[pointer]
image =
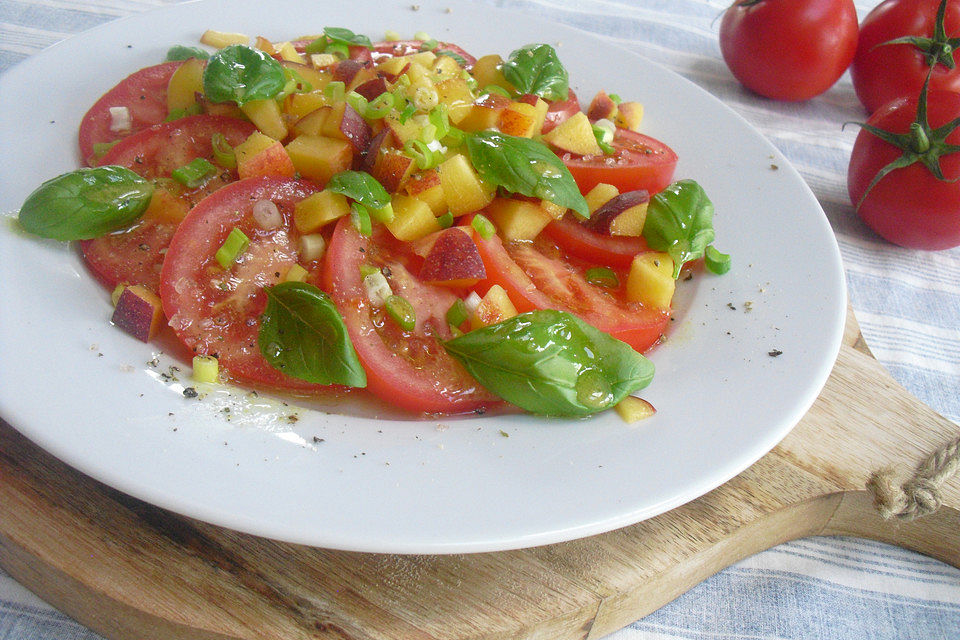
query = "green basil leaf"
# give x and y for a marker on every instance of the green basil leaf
(537, 69)
(680, 222)
(303, 335)
(86, 203)
(347, 37)
(240, 74)
(552, 363)
(361, 187)
(525, 166)
(181, 52)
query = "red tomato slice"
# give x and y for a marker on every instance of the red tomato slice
(533, 279)
(216, 311)
(597, 248)
(409, 369)
(135, 255)
(408, 47)
(143, 93)
(638, 162)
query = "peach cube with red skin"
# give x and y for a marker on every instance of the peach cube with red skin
(261, 155)
(494, 307)
(453, 260)
(139, 312)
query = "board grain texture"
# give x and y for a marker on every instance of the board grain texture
(129, 570)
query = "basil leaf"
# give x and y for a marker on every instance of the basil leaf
(240, 74)
(525, 166)
(303, 335)
(552, 363)
(361, 187)
(347, 37)
(537, 69)
(180, 52)
(680, 222)
(86, 203)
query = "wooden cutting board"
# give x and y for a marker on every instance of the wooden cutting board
(132, 571)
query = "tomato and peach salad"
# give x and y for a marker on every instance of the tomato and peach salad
(450, 233)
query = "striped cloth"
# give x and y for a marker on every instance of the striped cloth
(907, 303)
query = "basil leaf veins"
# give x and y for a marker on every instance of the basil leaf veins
(680, 222)
(86, 203)
(551, 362)
(303, 335)
(525, 166)
(537, 69)
(361, 187)
(241, 74)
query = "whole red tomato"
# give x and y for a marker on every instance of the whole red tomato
(789, 50)
(883, 72)
(909, 206)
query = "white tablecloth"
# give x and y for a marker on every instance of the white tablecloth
(907, 303)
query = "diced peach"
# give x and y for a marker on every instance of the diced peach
(318, 78)
(226, 109)
(574, 135)
(494, 307)
(633, 409)
(221, 39)
(462, 187)
(313, 122)
(487, 72)
(166, 207)
(630, 222)
(264, 45)
(484, 113)
(425, 185)
(345, 123)
(139, 312)
(318, 209)
(650, 281)
(555, 210)
(265, 114)
(319, 158)
(261, 155)
(629, 115)
(519, 119)
(602, 107)
(445, 66)
(391, 168)
(622, 215)
(412, 219)
(184, 85)
(600, 195)
(403, 132)
(453, 260)
(517, 219)
(289, 53)
(455, 93)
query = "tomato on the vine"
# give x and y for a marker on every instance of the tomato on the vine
(789, 50)
(883, 70)
(892, 179)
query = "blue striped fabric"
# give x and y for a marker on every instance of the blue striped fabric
(907, 302)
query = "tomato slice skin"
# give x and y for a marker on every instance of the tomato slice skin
(639, 162)
(135, 255)
(215, 311)
(597, 248)
(408, 369)
(535, 279)
(560, 110)
(143, 93)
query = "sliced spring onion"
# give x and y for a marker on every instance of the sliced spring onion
(368, 270)
(407, 112)
(402, 312)
(716, 262)
(312, 247)
(195, 173)
(296, 273)
(429, 45)
(100, 148)
(457, 314)
(267, 215)
(223, 153)
(440, 119)
(391, 36)
(357, 101)
(235, 244)
(482, 225)
(206, 369)
(338, 49)
(120, 120)
(472, 301)
(360, 217)
(421, 35)
(495, 88)
(193, 110)
(428, 133)
(335, 91)
(446, 220)
(422, 154)
(616, 99)
(380, 106)
(377, 288)
(383, 214)
(602, 277)
(604, 137)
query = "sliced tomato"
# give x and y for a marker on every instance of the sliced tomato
(397, 48)
(598, 248)
(216, 311)
(560, 110)
(143, 93)
(538, 276)
(408, 369)
(135, 255)
(638, 162)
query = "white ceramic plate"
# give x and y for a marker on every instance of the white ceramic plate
(87, 392)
